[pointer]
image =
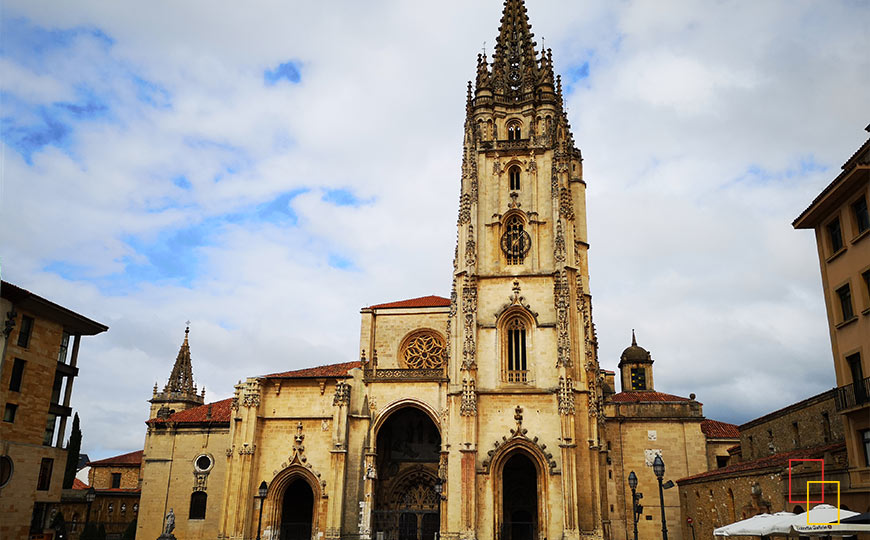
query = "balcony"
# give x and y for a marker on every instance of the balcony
(400, 374)
(517, 376)
(853, 395)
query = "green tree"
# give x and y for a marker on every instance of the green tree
(73, 448)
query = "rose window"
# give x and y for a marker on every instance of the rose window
(423, 351)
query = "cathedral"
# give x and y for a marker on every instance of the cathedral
(481, 415)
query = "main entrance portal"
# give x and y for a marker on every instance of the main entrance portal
(297, 511)
(519, 498)
(407, 503)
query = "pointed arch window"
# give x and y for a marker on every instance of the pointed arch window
(515, 242)
(514, 176)
(517, 366)
(514, 130)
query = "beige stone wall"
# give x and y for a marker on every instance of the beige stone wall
(168, 479)
(632, 441)
(717, 448)
(100, 477)
(22, 440)
(775, 432)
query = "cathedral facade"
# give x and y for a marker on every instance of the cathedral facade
(477, 416)
(481, 415)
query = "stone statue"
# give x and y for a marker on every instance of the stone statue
(170, 523)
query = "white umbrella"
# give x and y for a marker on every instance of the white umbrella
(779, 523)
(825, 516)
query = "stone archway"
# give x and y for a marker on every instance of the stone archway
(406, 503)
(297, 511)
(519, 489)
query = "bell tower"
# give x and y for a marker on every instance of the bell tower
(522, 343)
(179, 394)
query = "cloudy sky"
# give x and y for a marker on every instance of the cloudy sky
(264, 170)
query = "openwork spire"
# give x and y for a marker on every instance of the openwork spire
(514, 65)
(181, 379)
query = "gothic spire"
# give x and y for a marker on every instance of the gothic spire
(514, 60)
(181, 379)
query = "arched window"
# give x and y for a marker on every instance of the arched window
(515, 334)
(423, 350)
(197, 505)
(514, 175)
(515, 242)
(514, 130)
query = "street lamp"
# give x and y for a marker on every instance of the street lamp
(659, 469)
(261, 494)
(636, 509)
(90, 495)
(439, 488)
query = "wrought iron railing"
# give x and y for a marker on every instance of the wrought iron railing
(852, 395)
(397, 374)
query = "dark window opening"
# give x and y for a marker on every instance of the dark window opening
(50, 424)
(862, 219)
(835, 235)
(519, 498)
(9, 412)
(795, 435)
(5, 470)
(64, 348)
(826, 426)
(116, 480)
(514, 131)
(26, 330)
(865, 442)
(866, 277)
(638, 379)
(514, 175)
(17, 374)
(854, 363)
(197, 505)
(845, 296)
(43, 483)
(57, 387)
(516, 334)
(721, 461)
(38, 518)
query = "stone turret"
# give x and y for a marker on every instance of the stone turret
(635, 368)
(180, 392)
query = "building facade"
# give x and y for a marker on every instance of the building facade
(39, 356)
(779, 453)
(642, 423)
(840, 219)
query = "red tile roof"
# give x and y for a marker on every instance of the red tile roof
(422, 302)
(220, 414)
(130, 459)
(719, 430)
(78, 484)
(642, 397)
(733, 449)
(328, 371)
(776, 460)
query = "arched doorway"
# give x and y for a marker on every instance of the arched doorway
(519, 498)
(407, 503)
(297, 511)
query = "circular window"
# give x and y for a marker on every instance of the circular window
(423, 350)
(203, 463)
(5, 470)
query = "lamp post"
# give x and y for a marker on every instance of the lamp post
(659, 469)
(261, 494)
(90, 495)
(636, 509)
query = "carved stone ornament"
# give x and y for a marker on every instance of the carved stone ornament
(464, 209)
(561, 295)
(247, 449)
(469, 310)
(566, 396)
(519, 433)
(251, 393)
(342, 394)
(469, 398)
(516, 299)
(566, 208)
(559, 251)
(424, 350)
(199, 480)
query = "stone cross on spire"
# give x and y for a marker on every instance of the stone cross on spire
(181, 379)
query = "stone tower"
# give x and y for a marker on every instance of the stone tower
(525, 380)
(635, 368)
(180, 391)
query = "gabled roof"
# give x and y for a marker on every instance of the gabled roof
(719, 430)
(776, 460)
(643, 397)
(130, 459)
(328, 371)
(211, 413)
(421, 302)
(78, 484)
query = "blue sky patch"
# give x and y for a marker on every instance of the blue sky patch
(339, 262)
(288, 71)
(278, 210)
(343, 197)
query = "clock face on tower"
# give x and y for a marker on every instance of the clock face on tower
(516, 243)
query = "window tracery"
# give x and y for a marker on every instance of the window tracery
(514, 130)
(514, 175)
(515, 354)
(423, 350)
